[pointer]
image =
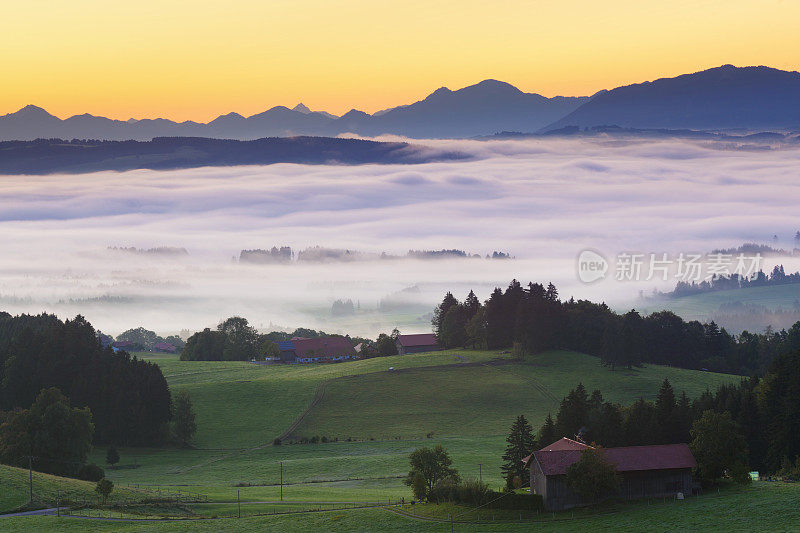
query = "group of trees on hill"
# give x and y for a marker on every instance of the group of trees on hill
(233, 340)
(61, 391)
(778, 276)
(128, 398)
(533, 319)
(755, 422)
(146, 340)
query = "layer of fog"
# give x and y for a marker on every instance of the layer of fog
(541, 200)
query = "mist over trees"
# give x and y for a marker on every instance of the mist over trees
(533, 319)
(778, 276)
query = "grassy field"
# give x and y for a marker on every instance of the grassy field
(15, 490)
(464, 400)
(480, 399)
(760, 507)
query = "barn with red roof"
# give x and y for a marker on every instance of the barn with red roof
(317, 350)
(645, 471)
(417, 343)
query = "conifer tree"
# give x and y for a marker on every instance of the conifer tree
(520, 444)
(547, 433)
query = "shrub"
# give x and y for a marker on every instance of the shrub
(475, 493)
(276, 442)
(91, 472)
(511, 501)
(444, 490)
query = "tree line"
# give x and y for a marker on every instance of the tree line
(531, 319)
(778, 276)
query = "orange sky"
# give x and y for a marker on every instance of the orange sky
(196, 59)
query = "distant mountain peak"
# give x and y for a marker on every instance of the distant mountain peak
(441, 91)
(719, 98)
(301, 108)
(32, 111)
(495, 84)
(354, 113)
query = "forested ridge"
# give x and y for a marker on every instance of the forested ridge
(531, 319)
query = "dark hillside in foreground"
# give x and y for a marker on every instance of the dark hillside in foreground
(46, 156)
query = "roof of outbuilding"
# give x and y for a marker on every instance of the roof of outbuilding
(625, 459)
(419, 339)
(323, 347)
(565, 444)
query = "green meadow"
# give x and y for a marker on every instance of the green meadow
(760, 507)
(464, 400)
(373, 413)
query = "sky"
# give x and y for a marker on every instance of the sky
(542, 200)
(197, 59)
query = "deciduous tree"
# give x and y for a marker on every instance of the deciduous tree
(432, 464)
(184, 418)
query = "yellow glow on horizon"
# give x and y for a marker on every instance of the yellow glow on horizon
(197, 59)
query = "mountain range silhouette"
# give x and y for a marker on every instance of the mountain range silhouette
(717, 99)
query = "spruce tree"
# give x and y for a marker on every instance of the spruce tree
(666, 420)
(573, 414)
(441, 312)
(520, 444)
(547, 433)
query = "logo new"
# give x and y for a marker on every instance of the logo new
(591, 266)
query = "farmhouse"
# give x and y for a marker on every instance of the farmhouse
(316, 350)
(423, 342)
(645, 472)
(165, 347)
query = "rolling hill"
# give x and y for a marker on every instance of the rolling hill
(465, 400)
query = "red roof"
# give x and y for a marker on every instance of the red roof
(323, 347)
(166, 347)
(420, 339)
(626, 459)
(565, 444)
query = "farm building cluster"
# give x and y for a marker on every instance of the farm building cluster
(645, 472)
(317, 350)
(335, 349)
